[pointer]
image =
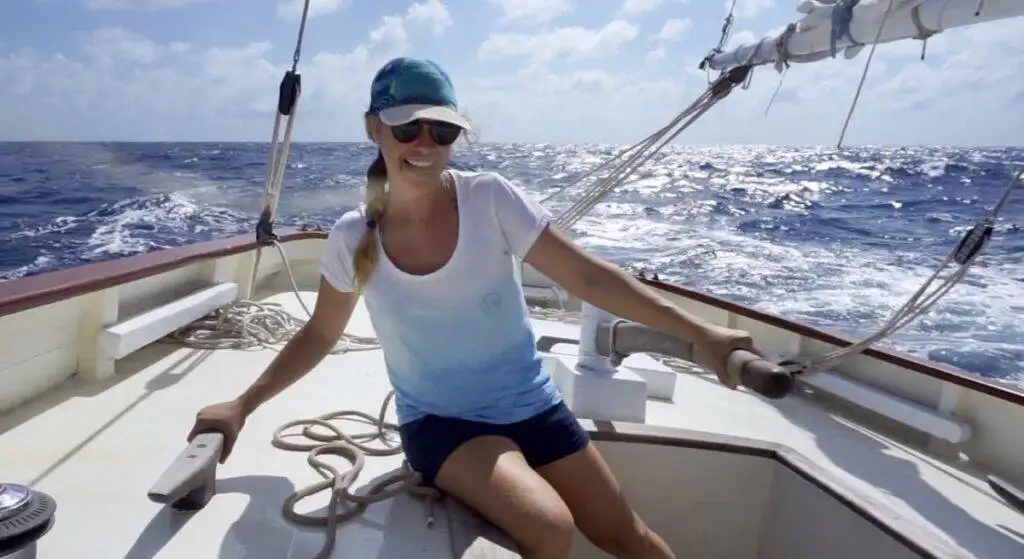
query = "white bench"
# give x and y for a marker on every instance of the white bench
(127, 336)
(927, 420)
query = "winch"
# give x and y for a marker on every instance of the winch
(25, 516)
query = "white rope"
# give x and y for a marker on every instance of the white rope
(247, 324)
(972, 243)
(287, 105)
(864, 74)
(640, 153)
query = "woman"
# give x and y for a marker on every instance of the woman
(433, 253)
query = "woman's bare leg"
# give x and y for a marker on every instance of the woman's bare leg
(491, 476)
(589, 488)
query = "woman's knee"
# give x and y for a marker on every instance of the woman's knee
(550, 537)
(629, 540)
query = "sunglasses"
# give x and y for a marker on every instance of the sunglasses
(443, 133)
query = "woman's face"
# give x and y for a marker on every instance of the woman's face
(410, 150)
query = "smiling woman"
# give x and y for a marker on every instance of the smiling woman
(434, 252)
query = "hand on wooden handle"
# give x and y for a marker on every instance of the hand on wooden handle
(759, 375)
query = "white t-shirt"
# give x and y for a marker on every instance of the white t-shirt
(457, 342)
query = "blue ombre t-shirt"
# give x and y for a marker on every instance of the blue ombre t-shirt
(457, 342)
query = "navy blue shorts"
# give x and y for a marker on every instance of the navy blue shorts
(543, 438)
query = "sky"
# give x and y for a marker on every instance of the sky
(535, 71)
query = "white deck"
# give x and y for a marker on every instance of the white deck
(97, 450)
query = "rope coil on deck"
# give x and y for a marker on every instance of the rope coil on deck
(354, 448)
(247, 324)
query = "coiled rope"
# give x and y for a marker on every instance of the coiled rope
(354, 448)
(247, 324)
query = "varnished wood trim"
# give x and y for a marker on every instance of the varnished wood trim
(34, 291)
(879, 514)
(928, 368)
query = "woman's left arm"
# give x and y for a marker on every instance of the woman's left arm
(610, 288)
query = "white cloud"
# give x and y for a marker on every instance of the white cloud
(592, 106)
(225, 61)
(567, 42)
(432, 12)
(635, 7)
(292, 9)
(656, 55)
(390, 32)
(137, 4)
(113, 44)
(533, 11)
(750, 8)
(674, 29)
(340, 82)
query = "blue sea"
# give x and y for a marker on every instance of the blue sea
(838, 239)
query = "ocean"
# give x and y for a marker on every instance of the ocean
(838, 239)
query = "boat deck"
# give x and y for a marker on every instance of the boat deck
(97, 449)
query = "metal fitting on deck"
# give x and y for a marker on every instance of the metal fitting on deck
(25, 516)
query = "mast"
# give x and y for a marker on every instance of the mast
(810, 38)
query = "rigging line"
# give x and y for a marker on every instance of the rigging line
(864, 75)
(709, 98)
(727, 27)
(726, 33)
(593, 197)
(277, 158)
(619, 173)
(777, 89)
(302, 31)
(641, 145)
(964, 255)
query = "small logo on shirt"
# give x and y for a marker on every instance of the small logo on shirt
(490, 303)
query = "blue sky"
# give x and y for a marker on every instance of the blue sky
(525, 70)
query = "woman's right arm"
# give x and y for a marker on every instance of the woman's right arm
(306, 349)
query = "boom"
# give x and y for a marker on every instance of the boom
(857, 23)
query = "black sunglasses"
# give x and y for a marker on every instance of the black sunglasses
(443, 133)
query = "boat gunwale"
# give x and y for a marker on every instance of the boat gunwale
(30, 292)
(879, 514)
(936, 370)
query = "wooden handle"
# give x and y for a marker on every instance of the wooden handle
(188, 483)
(759, 375)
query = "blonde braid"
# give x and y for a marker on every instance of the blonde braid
(365, 258)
